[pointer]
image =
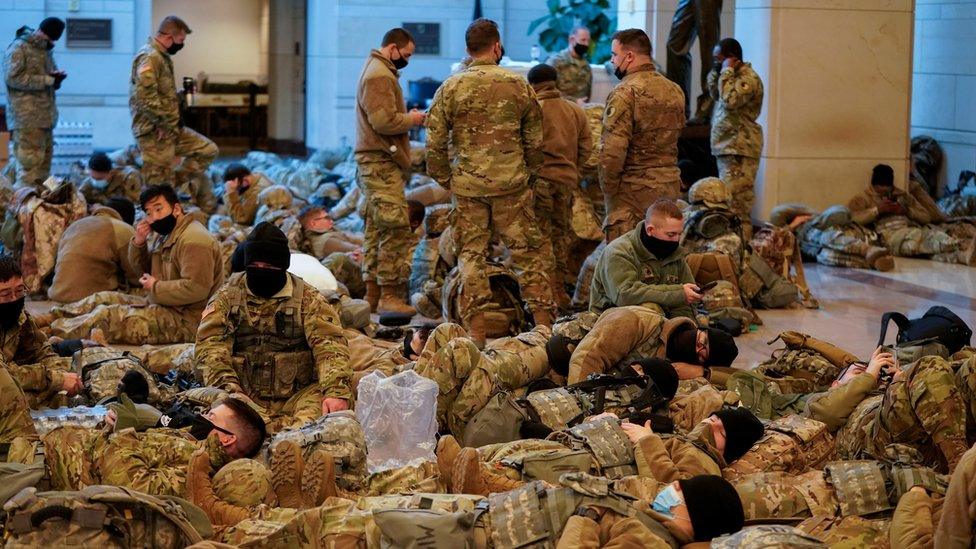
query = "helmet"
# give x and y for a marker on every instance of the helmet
(710, 191)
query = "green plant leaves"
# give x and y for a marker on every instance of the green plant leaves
(593, 14)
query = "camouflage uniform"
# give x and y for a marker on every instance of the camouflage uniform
(906, 235)
(242, 207)
(639, 147)
(832, 238)
(126, 182)
(496, 143)
(469, 378)
(31, 110)
(155, 110)
(574, 77)
(188, 267)
(383, 156)
(737, 139)
(15, 419)
(924, 410)
(286, 352)
(29, 359)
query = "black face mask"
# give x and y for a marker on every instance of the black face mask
(620, 74)
(10, 313)
(683, 346)
(173, 48)
(717, 66)
(399, 63)
(265, 282)
(660, 248)
(499, 62)
(581, 49)
(201, 427)
(50, 45)
(407, 347)
(165, 225)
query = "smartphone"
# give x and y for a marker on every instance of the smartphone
(705, 287)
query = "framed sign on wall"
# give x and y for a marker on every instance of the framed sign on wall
(427, 37)
(89, 33)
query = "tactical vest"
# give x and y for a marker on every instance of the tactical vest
(274, 362)
(606, 440)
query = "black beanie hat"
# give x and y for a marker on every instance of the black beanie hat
(52, 27)
(713, 505)
(662, 373)
(559, 349)
(125, 208)
(742, 430)
(721, 348)
(883, 175)
(100, 162)
(267, 244)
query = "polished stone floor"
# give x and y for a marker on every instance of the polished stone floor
(852, 302)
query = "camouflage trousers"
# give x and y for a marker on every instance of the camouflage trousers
(387, 236)
(197, 186)
(159, 156)
(627, 204)
(33, 148)
(553, 210)
(15, 419)
(919, 241)
(494, 456)
(301, 408)
(845, 246)
(739, 175)
(512, 217)
(347, 272)
(965, 233)
(125, 319)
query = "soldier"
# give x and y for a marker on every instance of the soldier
(155, 108)
(622, 334)
(567, 147)
(383, 156)
(25, 354)
(641, 124)
(832, 237)
(105, 181)
(901, 221)
(32, 77)
(323, 239)
(647, 267)
(699, 19)
(488, 119)
(574, 78)
(241, 190)
(182, 267)
(737, 139)
(956, 526)
(272, 336)
(93, 253)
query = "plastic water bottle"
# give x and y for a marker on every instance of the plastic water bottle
(535, 53)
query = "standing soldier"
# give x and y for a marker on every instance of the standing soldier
(32, 77)
(484, 143)
(641, 124)
(155, 111)
(575, 77)
(737, 139)
(383, 155)
(567, 146)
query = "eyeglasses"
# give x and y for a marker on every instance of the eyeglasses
(13, 294)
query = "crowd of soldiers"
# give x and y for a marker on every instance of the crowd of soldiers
(612, 419)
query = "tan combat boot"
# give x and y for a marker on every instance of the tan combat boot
(447, 453)
(372, 294)
(391, 302)
(476, 330)
(471, 477)
(879, 259)
(287, 465)
(319, 478)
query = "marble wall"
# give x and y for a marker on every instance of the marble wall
(944, 81)
(838, 84)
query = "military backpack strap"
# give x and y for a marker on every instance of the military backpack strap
(860, 487)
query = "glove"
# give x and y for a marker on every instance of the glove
(58, 78)
(199, 490)
(138, 416)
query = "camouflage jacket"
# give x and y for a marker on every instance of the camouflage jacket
(574, 77)
(27, 68)
(566, 138)
(864, 207)
(243, 207)
(642, 121)
(484, 132)
(738, 95)
(621, 334)
(628, 274)
(187, 264)
(27, 355)
(126, 181)
(320, 323)
(672, 458)
(153, 102)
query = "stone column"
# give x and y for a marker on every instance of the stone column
(286, 75)
(837, 77)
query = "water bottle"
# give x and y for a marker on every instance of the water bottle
(535, 53)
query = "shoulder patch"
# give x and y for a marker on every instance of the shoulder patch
(144, 68)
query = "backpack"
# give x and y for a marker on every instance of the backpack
(339, 434)
(102, 369)
(102, 516)
(505, 314)
(938, 322)
(793, 444)
(778, 247)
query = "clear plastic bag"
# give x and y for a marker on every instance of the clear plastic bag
(399, 419)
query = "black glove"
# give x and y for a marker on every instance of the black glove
(58, 78)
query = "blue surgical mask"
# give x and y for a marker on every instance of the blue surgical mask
(666, 500)
(99, 184)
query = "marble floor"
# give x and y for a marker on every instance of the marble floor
(852, 302)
